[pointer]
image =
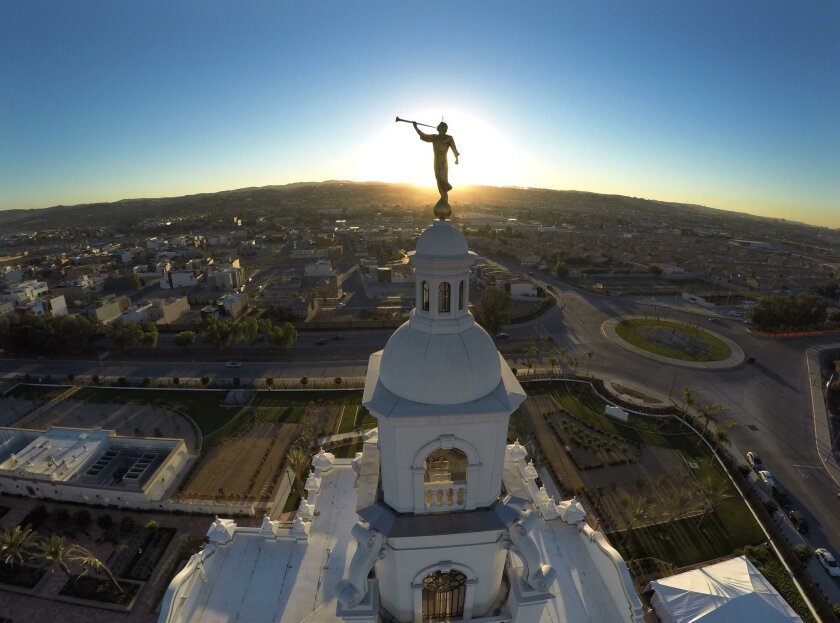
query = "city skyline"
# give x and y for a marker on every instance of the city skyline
(726, 106)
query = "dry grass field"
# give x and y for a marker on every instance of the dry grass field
(242, 468)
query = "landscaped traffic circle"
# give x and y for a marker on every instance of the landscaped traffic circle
(675, 340)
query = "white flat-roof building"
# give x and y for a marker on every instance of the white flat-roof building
(89, 466)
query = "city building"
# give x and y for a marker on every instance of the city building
(27, 291)
(45, 306)
(89, 466)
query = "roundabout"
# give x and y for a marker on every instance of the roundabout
(673, 342)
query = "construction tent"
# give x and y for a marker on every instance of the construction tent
(732, 591)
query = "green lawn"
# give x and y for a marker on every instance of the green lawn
(630, 331)
(279, 415)
(729, 528)
(36, 392)
(205, 406)
(202, 406)
(348, 419)
(277, 398)
(347, 452)
(356, 416)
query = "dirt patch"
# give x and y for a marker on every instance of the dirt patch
(534, 410)
(246, 467)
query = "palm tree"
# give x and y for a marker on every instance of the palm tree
(722, 433)
(588, 354)
(561, 355)
(552, 361)
(574, 362)
(676, 504)
(298, 460)
(79, 554)
(709, 413)
(16, 545)
(55, 552)
(688, 396)
(712, 494)
(639, 511)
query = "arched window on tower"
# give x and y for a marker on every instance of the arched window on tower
(425, 296)
(461, 295)
(443, 297)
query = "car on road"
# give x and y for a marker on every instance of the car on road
(501, 335)
(827, 561)
(767, 478)
(234, 364)
(338, 338)
(754, 460)
(321, 342)
(713, 319)
(736, 312)
(798, 521)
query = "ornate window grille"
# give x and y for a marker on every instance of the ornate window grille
(443, 595)
(443, 297)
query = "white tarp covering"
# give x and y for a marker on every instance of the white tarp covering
(730, 591)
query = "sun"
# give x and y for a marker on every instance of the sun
(396, 154)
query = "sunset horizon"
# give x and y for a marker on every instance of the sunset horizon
(729, 107)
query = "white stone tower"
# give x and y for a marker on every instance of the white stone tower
(436, 528)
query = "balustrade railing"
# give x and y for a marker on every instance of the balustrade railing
(441, 496)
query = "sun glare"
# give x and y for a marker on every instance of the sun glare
(396, 154)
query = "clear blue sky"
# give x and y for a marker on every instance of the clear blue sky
(734, 105)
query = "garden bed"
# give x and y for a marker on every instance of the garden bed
(24, 576)
(96, 589)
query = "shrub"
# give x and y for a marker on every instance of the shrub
(127, 524)
(237, 381)
(802, 551)
(176, 380)
(771, 506)
(146, 381)
(121, 381)
(95, 379)
(269, 381)
(205, 380)
(104, 521)
(304, 380)
(60, 515)
(71, 377)
(82, 518)
(152, 525)
(338, 380)
(35, 517)
(744, 469)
